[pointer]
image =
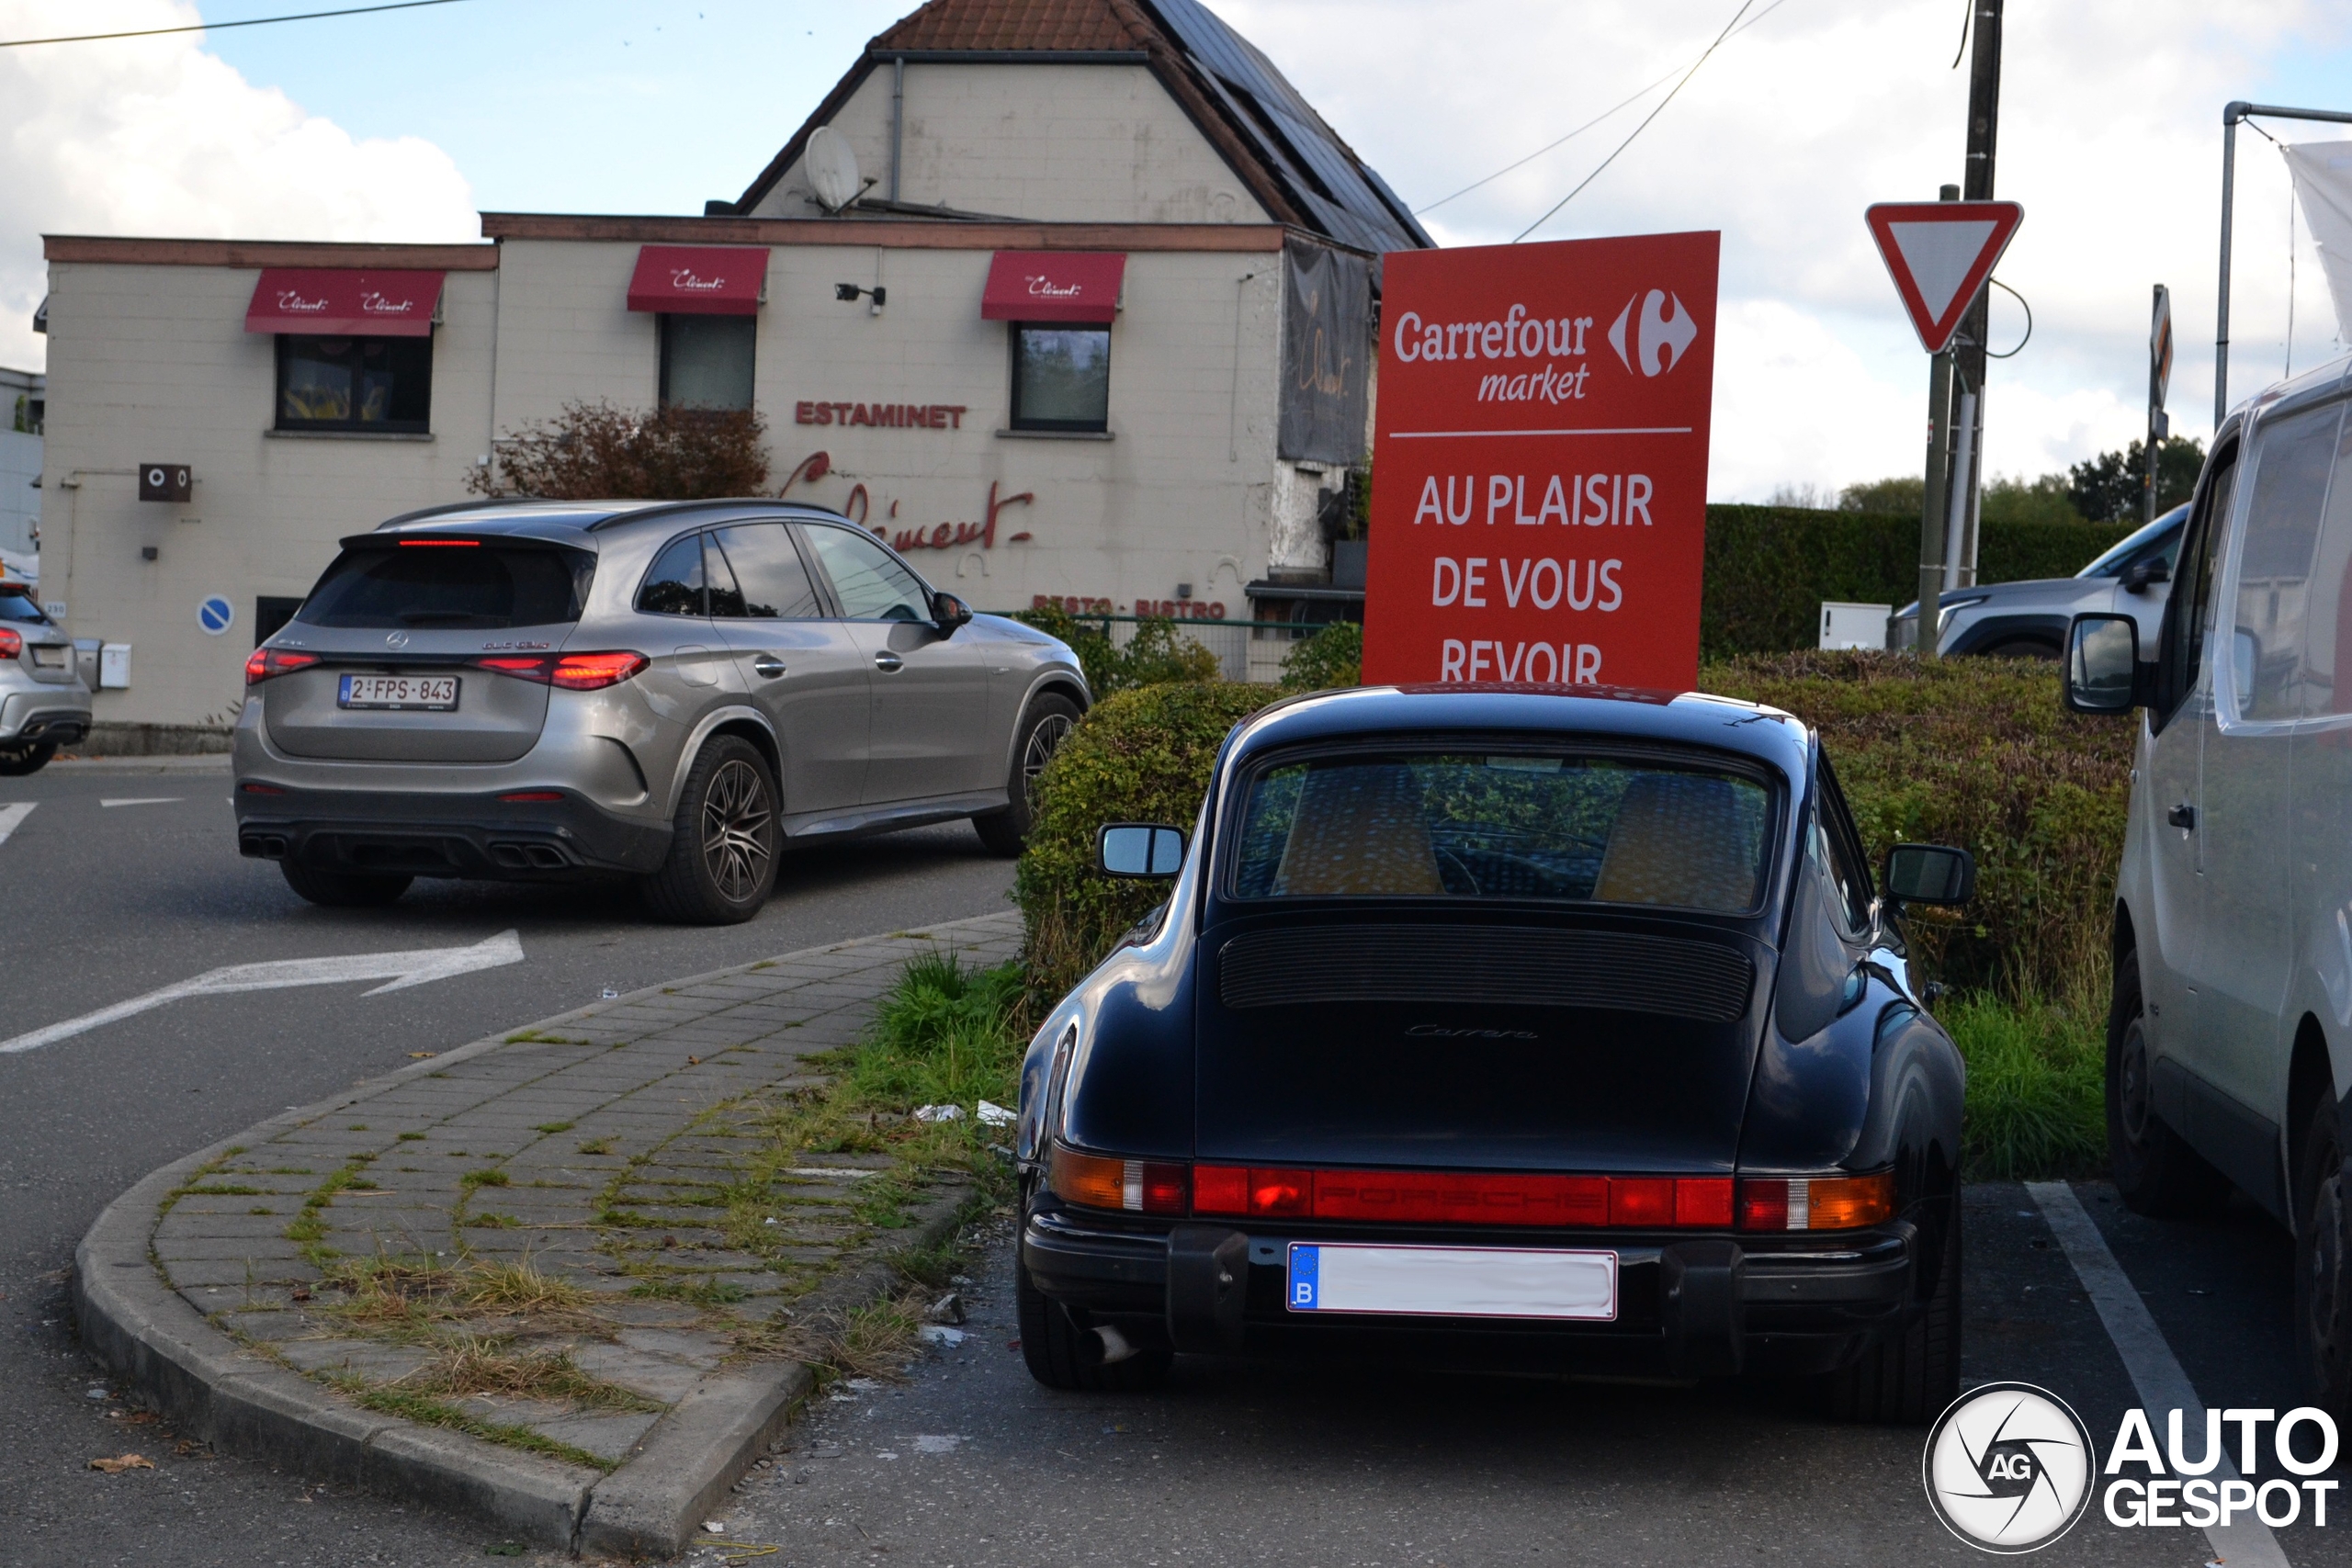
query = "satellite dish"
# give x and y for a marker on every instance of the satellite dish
(832, 168)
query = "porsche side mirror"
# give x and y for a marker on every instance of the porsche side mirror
(2102, 672)
(1930, 873)
(947, 612)
(1144, 850)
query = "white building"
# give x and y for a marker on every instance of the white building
(1082, 314)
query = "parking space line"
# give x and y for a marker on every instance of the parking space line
(140, 800)
(2156, 1370)
(13, 816)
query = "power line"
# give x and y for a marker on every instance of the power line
(218, 27)
(1736, 15)
(1588, 125)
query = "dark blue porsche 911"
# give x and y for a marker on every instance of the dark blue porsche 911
(1525, 1028)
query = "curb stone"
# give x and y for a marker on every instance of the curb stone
(240, 1402)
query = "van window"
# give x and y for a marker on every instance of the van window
(2292, 459)
(2327, 678)
(2190, 609)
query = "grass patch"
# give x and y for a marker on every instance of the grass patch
(428, 1410)
(2036, 1085)
(876, 1340)
(553, 1128)
(471, 1364)
(519, 1286)
(260, 1209)
(495, 1223)
(490, 1176)
(224, 1189)
(411, 1137)
(598, 1147)
(706, 1292)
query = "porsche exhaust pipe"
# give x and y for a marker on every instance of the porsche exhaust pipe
(1103, 1346)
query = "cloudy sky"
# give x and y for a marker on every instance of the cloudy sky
(400, 126)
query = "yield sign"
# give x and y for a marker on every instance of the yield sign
(1939, 253)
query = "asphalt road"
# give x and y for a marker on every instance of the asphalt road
(106, 902)
(966, 1460)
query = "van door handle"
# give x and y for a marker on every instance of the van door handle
(768, 665)
(888, 661)
(2183, 817)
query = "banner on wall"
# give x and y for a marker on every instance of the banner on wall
(1539, 454)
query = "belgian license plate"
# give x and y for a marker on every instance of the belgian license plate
(1453, 1282)
(428, 693)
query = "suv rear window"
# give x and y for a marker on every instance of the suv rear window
(450, 583)
(16, 604)
(1507, 826)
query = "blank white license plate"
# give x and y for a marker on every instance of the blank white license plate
(1453, 1282)
(433, 694)
(49, 657)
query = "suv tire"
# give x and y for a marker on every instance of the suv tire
(2155, 1172)
(721, 863)
(1043, 729)
(1907, 1377)
(29, 756)
(2324, 1261)
(1051, 1346)
(343, 889)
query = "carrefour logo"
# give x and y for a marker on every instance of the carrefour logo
(1660, 336)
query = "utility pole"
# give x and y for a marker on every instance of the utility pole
(1968, 347)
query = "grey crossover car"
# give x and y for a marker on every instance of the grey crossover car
(43, 704)
(668, 691)
(2028, 619)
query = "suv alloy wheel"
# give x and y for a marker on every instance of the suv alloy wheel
(1044, 728)
(721, 865)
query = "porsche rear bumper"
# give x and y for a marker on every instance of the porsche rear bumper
(1687, 1305)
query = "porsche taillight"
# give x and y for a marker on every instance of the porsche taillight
(1106, 1181)
(1815, 1202)
(1478, 1198)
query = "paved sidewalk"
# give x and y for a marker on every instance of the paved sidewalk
(566, 1259)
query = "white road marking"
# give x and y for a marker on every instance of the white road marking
(2156, 1370)
(400, 970)
(13, 816)
(141, 800)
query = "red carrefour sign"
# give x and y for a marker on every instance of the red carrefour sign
(1540, 455)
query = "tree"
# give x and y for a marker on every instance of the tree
(2105, 489)
(1904, 493)
(596, 452)
(2008, 499)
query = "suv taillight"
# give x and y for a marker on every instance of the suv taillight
(11, 643)
(572, 671)
(268, 661)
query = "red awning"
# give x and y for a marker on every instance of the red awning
(1053, 286)
(699, 280)
(324, 299)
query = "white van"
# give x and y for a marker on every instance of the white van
(2229, 1053)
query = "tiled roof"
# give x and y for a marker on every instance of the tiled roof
(1017, 24)
(1295, 163)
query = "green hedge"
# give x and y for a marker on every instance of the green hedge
(1769, 568)
(1142, 755)
(1973, 751)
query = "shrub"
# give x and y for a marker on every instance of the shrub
(1155, 655)
(1974, 753)
(2036, 1076)
(1332, 657)
(1769, 569)
(1140, 756)
(596, 452)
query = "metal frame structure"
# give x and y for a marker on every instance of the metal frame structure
(2233, 112)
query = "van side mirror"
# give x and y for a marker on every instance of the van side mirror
(2102, 672)
(947, 612)
(1145, 849)
(1930, 873)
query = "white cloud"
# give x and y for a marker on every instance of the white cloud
(2110, 134)
(153, 136)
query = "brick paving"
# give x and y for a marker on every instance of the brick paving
(606, 1148)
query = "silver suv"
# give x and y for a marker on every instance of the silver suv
(43, 704)
(2028, 620)
(670, 692)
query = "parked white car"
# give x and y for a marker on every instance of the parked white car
(2230, 1037)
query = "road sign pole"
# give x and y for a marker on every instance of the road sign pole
(1937, 496)
(1976, 332)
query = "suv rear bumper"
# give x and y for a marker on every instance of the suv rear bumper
(472, 836)
(1772, 1310)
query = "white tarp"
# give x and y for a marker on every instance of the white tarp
(2323, 176)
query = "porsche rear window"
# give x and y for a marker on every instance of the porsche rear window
(1442, 825)
(466, 587)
